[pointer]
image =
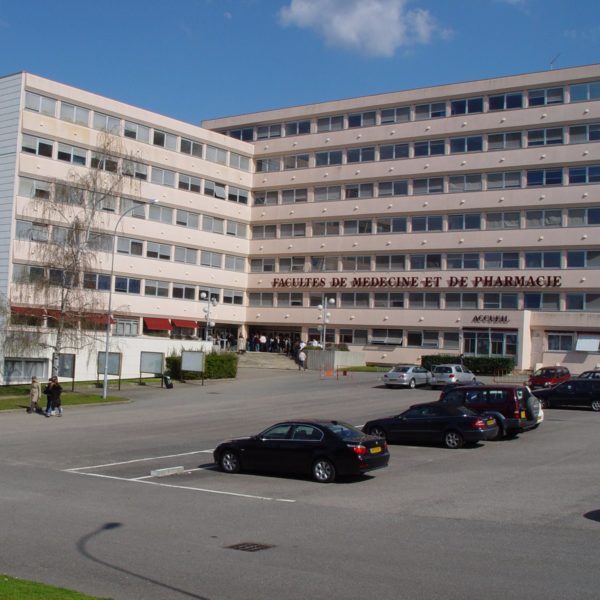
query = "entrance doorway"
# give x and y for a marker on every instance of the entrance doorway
(274, 339)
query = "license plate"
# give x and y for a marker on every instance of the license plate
(523, 414)
(491, 422)
(375, 450)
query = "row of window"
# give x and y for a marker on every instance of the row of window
(424, 111)
(142, 133)
(439, 147)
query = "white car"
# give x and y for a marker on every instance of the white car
(451, 375)
(407, 376)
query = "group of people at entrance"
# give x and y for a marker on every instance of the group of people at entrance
(53, 391)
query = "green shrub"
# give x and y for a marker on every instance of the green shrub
(480, 365)
(217, 365)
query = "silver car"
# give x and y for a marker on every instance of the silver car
(407, 375)
(451, 374)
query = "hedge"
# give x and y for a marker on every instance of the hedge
(480, 365)
(218, 365)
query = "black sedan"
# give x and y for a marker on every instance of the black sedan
(453, 426)
(323, 449)
(573, 392)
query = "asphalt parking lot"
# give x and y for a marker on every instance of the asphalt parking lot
(521, 517)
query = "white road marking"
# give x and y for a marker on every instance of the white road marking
(209, 468)
(128, 462)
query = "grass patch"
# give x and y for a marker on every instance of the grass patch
(19, 589)
(365, 369)
(67, 399)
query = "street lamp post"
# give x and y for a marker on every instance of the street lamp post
(206, 310)
(325, 317)
(110, 288)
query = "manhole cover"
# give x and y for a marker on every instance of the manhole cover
(249, 547)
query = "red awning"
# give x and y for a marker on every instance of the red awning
(157, 324)
(97, 319)
(184, 323)
(31, 311)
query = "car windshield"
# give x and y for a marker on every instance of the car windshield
(400, 369)
(544, 373)
(344, 431)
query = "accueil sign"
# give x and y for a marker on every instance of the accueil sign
(412, 282)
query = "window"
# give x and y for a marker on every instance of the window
(139, 212)
(501, 260)
(268, 165)
(289, 299)
(584, 133)
(107, 123)
(28, 274)
(585, 91)
(583, 259)
(503, 220)
(560, 342)
(209, 293)
(584, 174)
(189, 183)
(262, 265)
(216, 155)
(497, 181)
(323, 194)
(504, 141)
(28, 231)
(328, 158)
(457, 300)
(292, 230)
(575, 301)
(429, 148)
(265, 198)
(21, 370)
(156, 250)
(291, 264)
(584, 216)
(265, 132)
(211, 259)
(135, 131)
(264, 232)
(130, 246)
(450, 340)
(163, 177)
(330, 123)
(465, 183)
(458, 261)
(432, 185)
(190, 147)
(213, 224)
(492, 300)
(246, 134)
(388, 300)
(39, 146)
(100, 242)
(153, 287)
(164, 139)
(393, 151)
(238, 161)
(354, 300)
(435, 110)
(399, 114)
(128, 285)
(324, 263)
(295, 161)
(233, 297)
(535, 301)
(184, 292)
(297, 128)
(544, 97)
(466, 106)
(356, 263)
(104, 163)
(186, 255)
(486, 343)
(359, 190)
(41, 104)
(325, 228)
(422, 339)
(260, 299)
(545, 137)
(212, 188)
(464, 222)
(355, 155)
(74, 114)
(387, 336)
(428, 223)
(364, 119)
(543, 218)
(393, 188)
(420, 262)
(235, 263)
(293, 196)
(135, 170)
(472, 143)
(391, 225)
(506, 101)
(355, 227)
(162, 214)
(236, 229)
(238, 195)
(96, 281)
(545, 177)
(34, 188)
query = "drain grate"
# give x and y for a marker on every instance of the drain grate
(249, 547)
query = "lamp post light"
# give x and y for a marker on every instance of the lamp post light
(325, 317)
(109, 311)
(206, 310)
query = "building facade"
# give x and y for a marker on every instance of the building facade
(458, 219)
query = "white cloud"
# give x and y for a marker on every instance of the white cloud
(375, 27)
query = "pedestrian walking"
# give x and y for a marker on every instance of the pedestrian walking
(302, 360)
(53, 391)
(35, 392)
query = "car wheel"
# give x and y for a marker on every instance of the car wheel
(500, 433)
(544, 403)
(596, 405)
(412, 384)
(323, 471)
(453, 440)
(377, 432)
(229, 461)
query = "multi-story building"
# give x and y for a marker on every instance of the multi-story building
(461, 218)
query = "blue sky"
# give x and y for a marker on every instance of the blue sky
(199, 59)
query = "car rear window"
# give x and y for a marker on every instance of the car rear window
(345, 431)
(443, 369)
(400, 369)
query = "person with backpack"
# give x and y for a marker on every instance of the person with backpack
(53, 391)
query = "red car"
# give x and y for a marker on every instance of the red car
(548, 377)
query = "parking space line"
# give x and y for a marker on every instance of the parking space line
(209, 468)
